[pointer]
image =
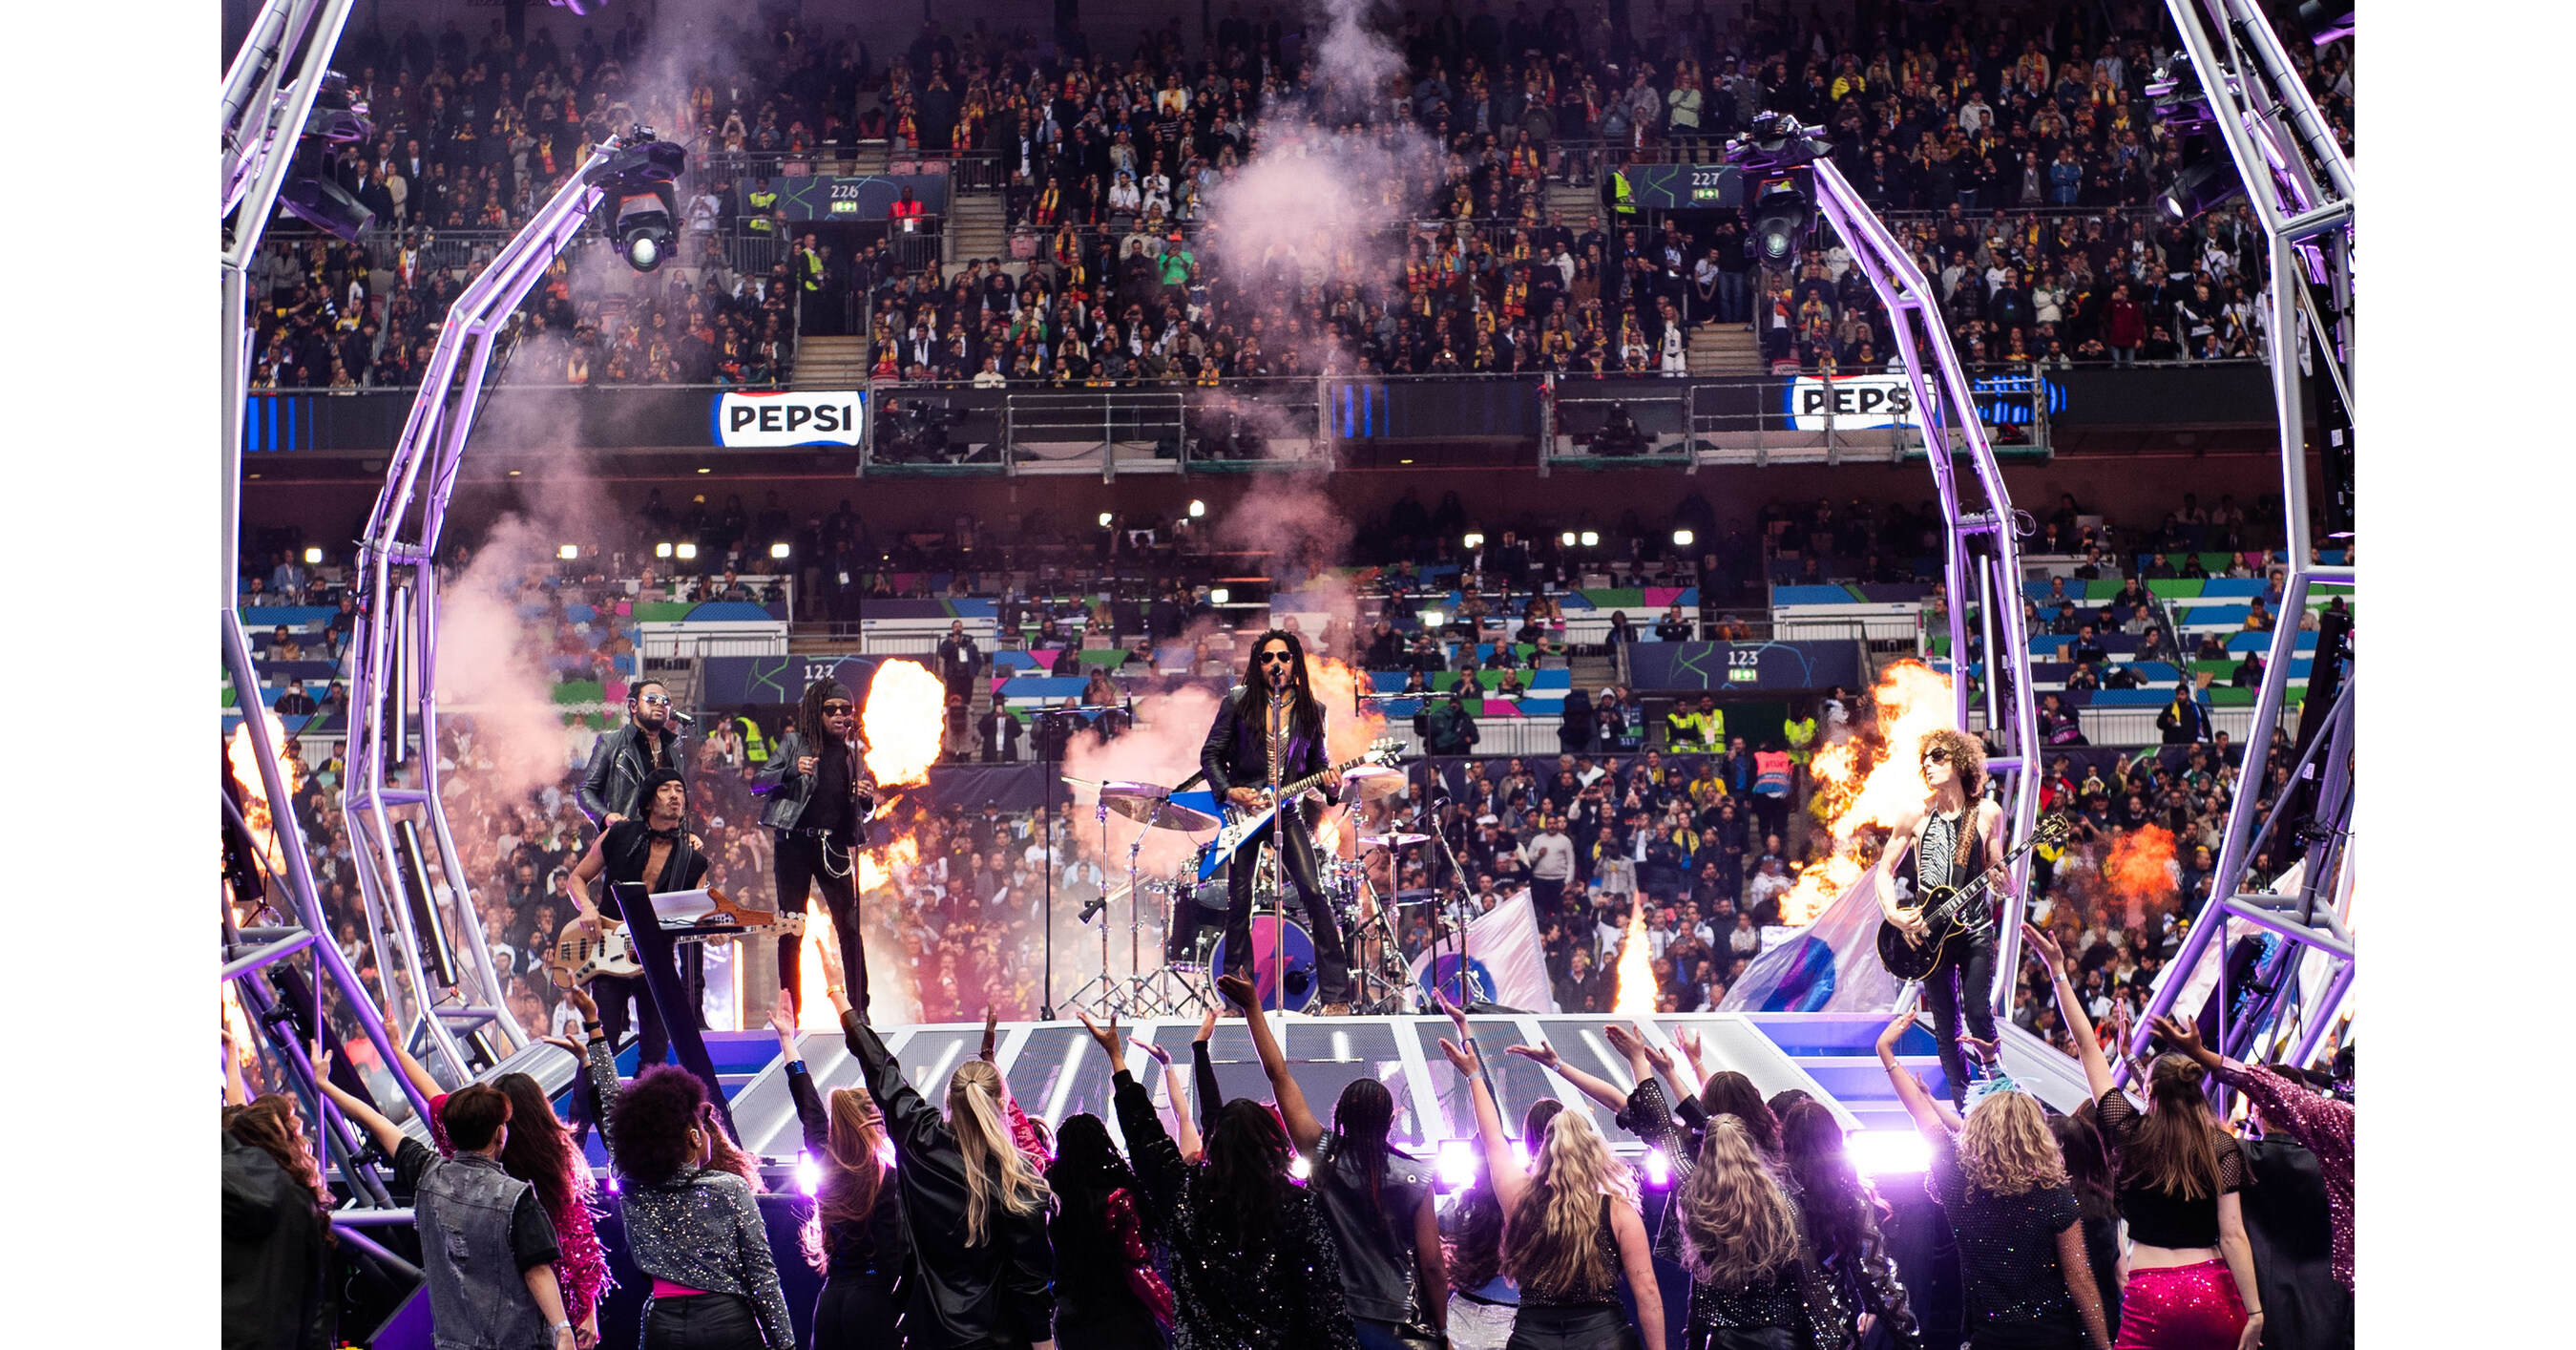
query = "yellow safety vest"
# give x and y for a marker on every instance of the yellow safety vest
(1624, 205)
(755, 747)
(761, 201)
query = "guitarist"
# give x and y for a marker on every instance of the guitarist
(819, 805)
(659, 851)
(1271, 731)
(1952, 838)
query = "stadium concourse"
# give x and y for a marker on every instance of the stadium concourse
(791, 689)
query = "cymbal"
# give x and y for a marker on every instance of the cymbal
(1153, 807)
(1077, 782)
(1371, 781)
(1394, 840)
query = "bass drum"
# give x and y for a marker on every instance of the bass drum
(1280, 978)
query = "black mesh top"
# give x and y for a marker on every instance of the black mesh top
(2157, 1217)
(1536, 1295)
(2008, 1256)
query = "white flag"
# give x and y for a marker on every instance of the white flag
(1505, 963)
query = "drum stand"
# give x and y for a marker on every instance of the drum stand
(1380, 988)
(1111, 999)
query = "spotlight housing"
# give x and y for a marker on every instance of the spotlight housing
(309, 191)
(1473, 541)
(778, 550)
(1219, 596)
(2200, 188)
(1566, 540)
(567, 552)
(312, 557)
(1777, 141)
(686, 551)
(1684, 538)
(662, 550)
(639, 208)
(2178, 95)
(2326, 20)
(1778, 222)
(1197, 508)
(1105, 518)
(1591, 539)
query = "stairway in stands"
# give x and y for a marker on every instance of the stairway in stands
(975, 229)
(830, 363)
(1725, 349)
(1573, 204)
(1592, 673)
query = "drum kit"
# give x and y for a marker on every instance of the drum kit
(1190, 908)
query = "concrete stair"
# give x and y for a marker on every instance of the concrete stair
(831, 363)
(1572, 204)
(1725, 349)
(976, 229)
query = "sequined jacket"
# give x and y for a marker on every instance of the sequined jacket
(701, 1229)
(2324, 1126)
(1282, 1291)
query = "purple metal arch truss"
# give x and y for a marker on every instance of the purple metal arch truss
(1981, 561)
(2300, 185)
(393, 684)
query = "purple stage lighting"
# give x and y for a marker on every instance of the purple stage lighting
(809, 1174)
(1659, 1169)
(1882, 1152)
(1456, 1164)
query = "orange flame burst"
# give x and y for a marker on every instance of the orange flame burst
(1912, 701)
(905, 714)
(1337, 687)
(244, 759)
(2140, 866)
(1636, 967)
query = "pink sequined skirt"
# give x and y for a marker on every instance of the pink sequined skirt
(2181, 1308)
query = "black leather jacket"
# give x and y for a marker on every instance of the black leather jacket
(1234, 754)
(619, 762)
(788, 790)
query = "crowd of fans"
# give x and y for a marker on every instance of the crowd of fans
(2020, 152)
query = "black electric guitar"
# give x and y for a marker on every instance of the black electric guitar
(1952, 912)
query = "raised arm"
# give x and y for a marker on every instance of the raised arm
(1176, 1086)
(236, 1092)
(1688, 1039)
(1502, 1161)
(2097, 1070)
(912, 1123)
(1157, 1161)
(810, 1115)
(388, 1135)
(1918, 1103)
(1302, 1125)
(1598, 1089)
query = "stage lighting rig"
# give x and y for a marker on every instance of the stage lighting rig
(1777, 141)
(310, 192)
(2199, 188)
(638, 206)
(1779, 149)
(1777, 222)
(2326, 20)
(2179, 97)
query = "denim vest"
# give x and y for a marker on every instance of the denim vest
(478, 1300)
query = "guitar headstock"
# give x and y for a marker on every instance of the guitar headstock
(2052, 828)
(1386, 752)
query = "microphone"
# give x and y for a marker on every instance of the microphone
(683, 718)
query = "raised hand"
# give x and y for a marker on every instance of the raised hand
(1688, 1039)
(1161, 1056)
(1542, 1053)
(992, 1022)
(1622, 1040)
(1657, 1056)
(782, 1017)
(1105, 1036)
(2185, 1037)
(1457, 1015)
(1464, 1058)
(1237, 990)
(1896, 1028)
(581, 1003)
(2044, 947)
(1207, 1022)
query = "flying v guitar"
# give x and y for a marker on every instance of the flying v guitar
(1242, 827)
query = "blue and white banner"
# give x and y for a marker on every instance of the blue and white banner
(1504, 962)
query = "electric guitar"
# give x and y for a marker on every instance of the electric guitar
(1951, 912)
(1242, 826)
(580, 956)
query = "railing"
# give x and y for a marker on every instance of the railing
(971, 170)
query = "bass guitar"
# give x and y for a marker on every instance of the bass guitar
(1243, 826)
(1952, 912)
(581, 955)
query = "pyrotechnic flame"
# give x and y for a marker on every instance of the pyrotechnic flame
(1636, 967)
(1336, 687)
(254, 800)
(1912, 701)
(813, 1004)
(905, 715)
(2140, 866)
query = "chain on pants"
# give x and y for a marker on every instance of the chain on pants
(798, 860)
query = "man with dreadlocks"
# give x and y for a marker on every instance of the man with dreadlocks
(819, 797)
(1270, 732)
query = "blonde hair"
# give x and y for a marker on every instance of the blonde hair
(1548, 1240)
(2006, 1147)
(1738, 1227)
(984, 1143)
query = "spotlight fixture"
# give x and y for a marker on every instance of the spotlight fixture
(1780, 218)
(638, 206)
(312, 557)
(1432, 618)
(1777, 141)
(1683, 538)
(1565, 540)
(2181, 101)
(1473, 542)
(1197, 508)
(685, 552)
(1591, 539)
(1219, 596)
(2326, 20)
(567, 552)
(310, 192)
(1105, 518)
(703, 469)
(778, 550)
(663, 550)
(2199, 188)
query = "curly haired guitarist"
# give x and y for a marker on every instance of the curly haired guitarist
(1952, 837)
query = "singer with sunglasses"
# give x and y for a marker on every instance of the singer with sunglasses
(621, 760)
(1271, 731)
(819, 800)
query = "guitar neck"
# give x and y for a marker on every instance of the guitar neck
(1316, 780)
(1973, 891)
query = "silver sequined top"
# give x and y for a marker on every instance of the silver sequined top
(700, 1230)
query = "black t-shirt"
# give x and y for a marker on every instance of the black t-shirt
(2157, 1217)
(2008, 1257)
(532, 1234)
(827, 807)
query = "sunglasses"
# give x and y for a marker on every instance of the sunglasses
(1274, 658)
(656, 701)
(1936, 756)
(835, 709)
